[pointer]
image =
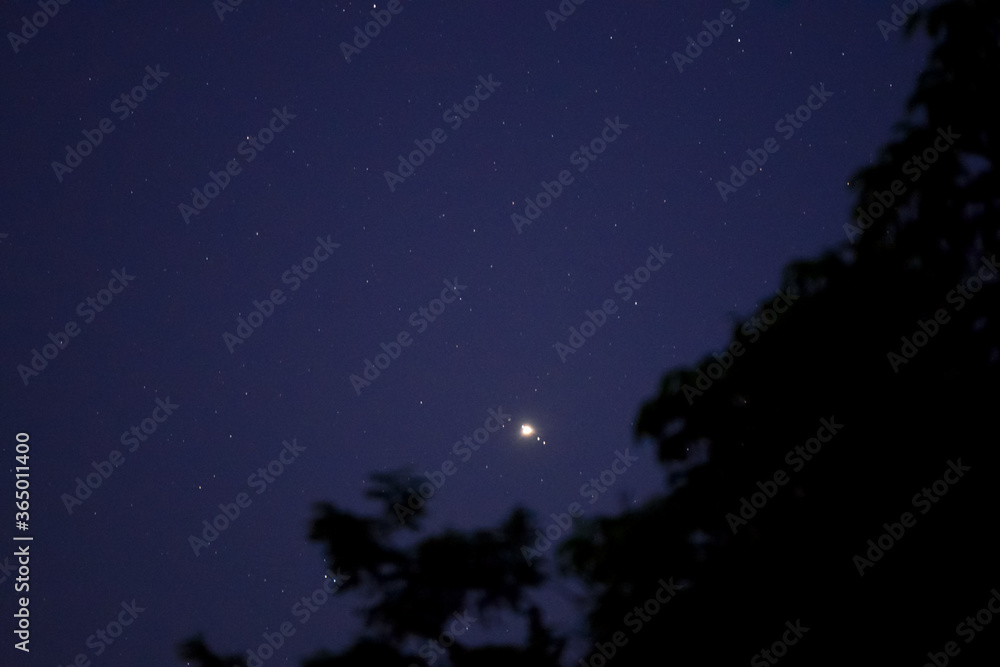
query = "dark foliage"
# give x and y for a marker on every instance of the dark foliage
(905, 422)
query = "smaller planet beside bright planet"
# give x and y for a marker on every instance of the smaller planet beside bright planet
(527, 430)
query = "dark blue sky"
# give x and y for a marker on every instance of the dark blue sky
(326, 131)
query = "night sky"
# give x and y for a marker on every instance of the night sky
(201, 246)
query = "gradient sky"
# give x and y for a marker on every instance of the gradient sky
(320, 182)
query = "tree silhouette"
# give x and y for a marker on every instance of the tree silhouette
(838, 418)
(903, 418)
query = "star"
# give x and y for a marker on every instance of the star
(527, 431)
